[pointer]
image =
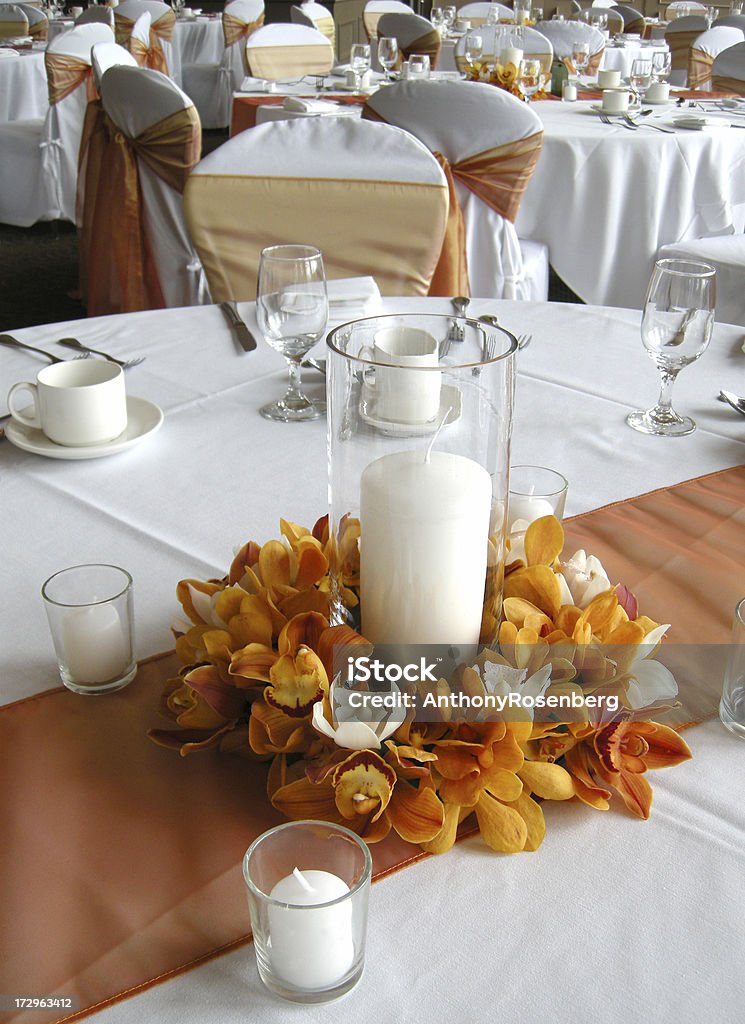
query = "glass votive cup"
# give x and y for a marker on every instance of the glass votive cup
(308, 886)
(91, 619)
(419, 65)
(732, 705)
(535, 491)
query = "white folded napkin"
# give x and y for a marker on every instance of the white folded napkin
(7, 51)
(304, 105)
(353, 295)
(250, 84)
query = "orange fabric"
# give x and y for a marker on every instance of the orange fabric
(699, 67)
(149, 55)
(451, 274)
(65, 74)
(234, 29)
(428, 44)
(727, 86)
(679, 44)
(163, 28)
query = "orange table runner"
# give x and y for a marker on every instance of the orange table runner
(121, 861)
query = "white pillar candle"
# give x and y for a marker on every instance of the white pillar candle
(95, 646)
(311, 949)
(510, 55)
(526, 508)
(423, 548)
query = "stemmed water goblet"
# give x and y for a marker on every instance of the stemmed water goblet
(640, 77)
(448, 19)
(292, 312)
(580, 56)
(437, 17)
(661, 65)
(531, 75)
(473, 48)
(388, 54)
(359, 61)
(677, 323)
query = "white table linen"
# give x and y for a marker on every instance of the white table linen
(620, 57)
(23, 86)
(604, 199)
(195, 41)
(612, 919)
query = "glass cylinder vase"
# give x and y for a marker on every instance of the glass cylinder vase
(419, 421)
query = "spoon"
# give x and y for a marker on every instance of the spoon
(737, 403)
(319, 365)
(461, 303)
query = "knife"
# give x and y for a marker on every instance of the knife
(242, 333)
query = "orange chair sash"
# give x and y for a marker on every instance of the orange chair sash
(428, 44)
(65, 74)
(150, 54)
(699, 67)
(234, 29)
(679, 44)
(40, 30)
(163, 28)
(721, 83)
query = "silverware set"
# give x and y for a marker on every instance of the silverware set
(83, 351)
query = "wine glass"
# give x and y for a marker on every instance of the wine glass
(359, 61)
(580, 55)
(292, 310)
(473, 47)
(492, 15)
(640, 77)
(437, 17)
(537, 14)
(661, 65)
(448, 19)
(531, 73)
(677, 322)
(388, 54)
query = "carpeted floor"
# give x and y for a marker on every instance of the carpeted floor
(39, 270)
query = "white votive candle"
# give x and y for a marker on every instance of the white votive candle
(423, 548)
(527, 508)
(510, 55)
(95, 645)
(310, 949)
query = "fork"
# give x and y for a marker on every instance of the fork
(606, 120)
(124, 363)
(648, 124)
(7, 339)
(455, 333)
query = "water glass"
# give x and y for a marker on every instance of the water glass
(473, 47)
(387, 54)
(437, 17)
(732, 706)
(531, 75)
(359, 61)
(640, 77)
(537, 13)
(661, 65)
(448, 18)
(580, 55)
(419, 66)
(492, 15)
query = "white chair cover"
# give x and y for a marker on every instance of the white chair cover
(370, 196)
(478, 14)
(563, 33)
(316, 16)
(726, 254)
(633, 20)
(135, 99)
(442, 115)
(728, 70)
(210, 86)
(603, 5)
(109, 55)
(38, 23)
(414, 34)
(372, 12)
(705, 48)
(683, 7)
(97, 13)
(13, 21)
(614, 20)
(679, 36)
(496, 37)
(284, 50)
(162, 22)
(39, 158)
(730, 21)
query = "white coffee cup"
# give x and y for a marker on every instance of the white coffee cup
(615, 101)
(609, 79)
(77, 402)
(75, 12)
(657, 92)
(404, 395)
(462, 24)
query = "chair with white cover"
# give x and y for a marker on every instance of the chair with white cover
(614, 20)
(13, 21)
(728, 70)
(603, 5)
(478, 14)
(284, 50)
(316, 16)
(211, 86)
(141, 141)
(374, 9)
(371, 197)
(39, 157)
(96, 13)
(730, 21)
(161, 54)
(704, 49)
(488, 171)
(682, 8)
(496, 37)
(563, 34)
(679, 36)
(414, 34)
(633, 20)
(109, 55)
(38, 23)
(726, 253)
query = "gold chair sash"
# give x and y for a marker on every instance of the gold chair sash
(679, 44)
(65, 74)
(163, 27)
(122, 28)
(699, 67)
(397, 238)
(327, 26)
(289, 61)
(428, 44)
(721, 83)
(40, 30)
(635, 26)
(150, 54)
(234, 29)
(592, 64)
(118, 271)
(370, 24)
(13, 29)
(451, 273)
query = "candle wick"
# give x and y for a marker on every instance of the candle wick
(430, 446)
(302, 880)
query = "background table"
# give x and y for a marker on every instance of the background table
(611, 917)
(621, 57)
(196, 41)
(23, 86)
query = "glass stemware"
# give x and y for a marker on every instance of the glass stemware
(473, 48)
(677, 323)
(437, 17)
(531, 74)
(388, 54)
(359, 61)
(580, 56)
(448, 19)
(292, 312)
(640, 77)
(661, 65)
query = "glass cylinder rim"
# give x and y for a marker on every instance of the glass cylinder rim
(438, 367)
(675, 265)
(305, 252)
(543, 469)
(265, 897)
(85, 604)
(740, 612)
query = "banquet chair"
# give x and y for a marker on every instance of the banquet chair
(39, 157)
(38, 23)
(730, 21)
(284, 50)
(371, 197)
(97, 13)
(633, 20)
(316, 16)
(495, 37)
(414, 33)
(372, 12)
(728, 70)
(13, 21)
(613, 18)
(602, 5)
(108, 55)
(162, 25)
(563, 34)
(682, 8)
(726, 253)
(703, 51)
(488, 172)
(211, 86)
(140, 142)
(478, 14)
(679, 36)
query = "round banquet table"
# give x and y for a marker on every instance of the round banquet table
(620, 57)
(604, 198)
(612, 916)
(196, 41)
(23, 86)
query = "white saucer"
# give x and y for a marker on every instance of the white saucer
(144, 418)
(658, 103)
(450, 398)
(633, 108)
(694, 123)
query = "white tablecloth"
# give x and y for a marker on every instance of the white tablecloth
(196, 41)
(620, 58)
(23, 86)
(604, 198)
(612, 919)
